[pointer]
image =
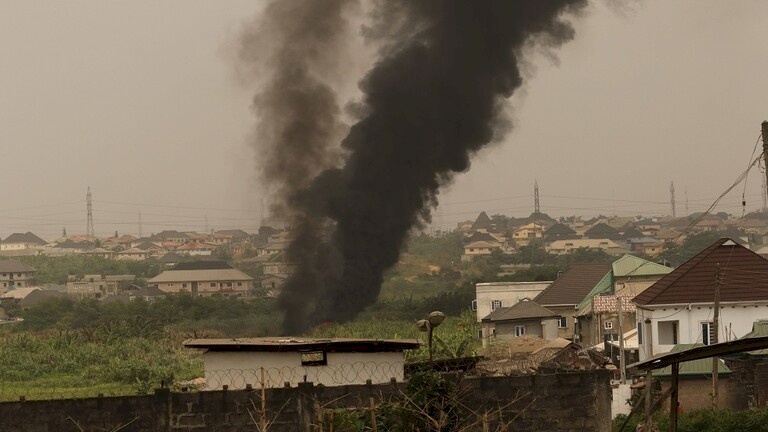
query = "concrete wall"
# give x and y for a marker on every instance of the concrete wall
(236, 369)
(696, 392)
(568, 402)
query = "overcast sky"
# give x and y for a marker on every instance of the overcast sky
(140, 100)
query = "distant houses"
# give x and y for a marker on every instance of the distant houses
(203, 278)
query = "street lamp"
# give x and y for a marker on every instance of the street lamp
(433, 320)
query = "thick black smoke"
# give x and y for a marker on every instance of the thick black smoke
(433, 99)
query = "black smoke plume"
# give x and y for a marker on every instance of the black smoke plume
(435, 97)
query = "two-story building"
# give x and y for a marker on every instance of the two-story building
(15, 274)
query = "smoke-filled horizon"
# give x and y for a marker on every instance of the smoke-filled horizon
(435, 96)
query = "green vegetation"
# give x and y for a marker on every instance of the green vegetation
(56, 269)
(709, 420)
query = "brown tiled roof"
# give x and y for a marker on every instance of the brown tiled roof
(521, 310)
(573, 285)
(743, 278)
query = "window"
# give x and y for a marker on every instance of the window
(668, 332)
(707, 333)
(474, 305)
(495, 304)
(519, 330)
(239, 284)
(213, 284)
(608, 325)
(183, 285)
(313, 358)
(229, 284)
(562, 322)
(639, 332)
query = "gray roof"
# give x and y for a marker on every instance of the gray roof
(524, 309)
(169, 276)
(27, 237)
(14, 266)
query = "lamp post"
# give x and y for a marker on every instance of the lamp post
(433, 320)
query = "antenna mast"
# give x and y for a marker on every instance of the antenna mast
(672, 197)
(89, 231)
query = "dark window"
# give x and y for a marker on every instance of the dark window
(707, 333)
(519, 330)
(474, 305)
(562, 322)
(213, 284)
(639, 332)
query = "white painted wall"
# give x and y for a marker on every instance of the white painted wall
(735, 321)
(236, 369)
(508, 292)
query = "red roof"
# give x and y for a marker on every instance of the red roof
(573, 285)
(743, 278)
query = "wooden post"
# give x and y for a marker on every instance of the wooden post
(673, 400)
(263, 421)
(715, 337)
(648, 401)
(486, 426)
(374, 427)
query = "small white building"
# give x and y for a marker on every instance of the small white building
(679, 308)
(490, 296)
(276, 361)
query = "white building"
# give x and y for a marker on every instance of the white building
(490, 296)
(679, 308)
(277, 361)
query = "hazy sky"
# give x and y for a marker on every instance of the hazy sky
(140, 100)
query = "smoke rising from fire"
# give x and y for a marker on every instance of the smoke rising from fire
(434, 97)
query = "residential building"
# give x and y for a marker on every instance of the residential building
(523, 318)
(598, 313)
(22, 241)
(559, 231)
(290, 361)
(204, 278)
(194, 248)
(524, 235)
(567, 291)
(490, 296)
(97, 286)
(479, 248)
(678, 309)
(15, 274)
(562, 247)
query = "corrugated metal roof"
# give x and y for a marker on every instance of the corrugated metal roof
(573, 285)
(629, 265)
(759, 329)
(604, 286)
(200, 276)
(693, 367)
(743, 278)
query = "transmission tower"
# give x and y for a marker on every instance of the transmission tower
(536, 208)
(89, 231)
(672, 197)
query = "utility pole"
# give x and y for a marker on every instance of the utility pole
(765, 147)
(622, 363)
(715, 334)
(140, 233)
